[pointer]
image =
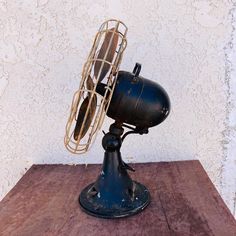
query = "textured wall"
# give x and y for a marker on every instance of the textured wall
(186, 46)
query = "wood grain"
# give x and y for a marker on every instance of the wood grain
(184, 202)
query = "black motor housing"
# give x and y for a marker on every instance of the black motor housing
(138, 101)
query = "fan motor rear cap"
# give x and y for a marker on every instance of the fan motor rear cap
(138, 101)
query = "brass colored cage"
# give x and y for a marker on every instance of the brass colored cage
(89, 74)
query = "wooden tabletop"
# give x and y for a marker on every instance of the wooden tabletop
(184, 202)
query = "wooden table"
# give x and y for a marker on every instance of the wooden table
(184, 202)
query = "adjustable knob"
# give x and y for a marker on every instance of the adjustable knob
(111, 142)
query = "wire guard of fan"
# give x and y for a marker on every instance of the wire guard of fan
(88, 107)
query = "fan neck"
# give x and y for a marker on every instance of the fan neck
(112, 140)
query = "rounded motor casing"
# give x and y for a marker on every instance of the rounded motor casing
(138, 101)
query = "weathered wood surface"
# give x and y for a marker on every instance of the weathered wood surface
(184, 202)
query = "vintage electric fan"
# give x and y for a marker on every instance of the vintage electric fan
(134, 102)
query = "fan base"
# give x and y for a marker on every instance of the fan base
(114, 194)
(96, 206)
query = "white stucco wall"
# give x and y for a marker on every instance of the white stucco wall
(187, 46)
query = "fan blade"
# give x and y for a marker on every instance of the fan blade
(110, 54)
(81, 116)
(89, 83)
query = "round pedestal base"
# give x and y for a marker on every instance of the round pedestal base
(94, 205)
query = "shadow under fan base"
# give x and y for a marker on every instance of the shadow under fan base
(92, 204)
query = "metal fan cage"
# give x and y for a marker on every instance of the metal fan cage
(82, 144)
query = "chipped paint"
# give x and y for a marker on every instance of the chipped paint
(228, 169)
(3, 80)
